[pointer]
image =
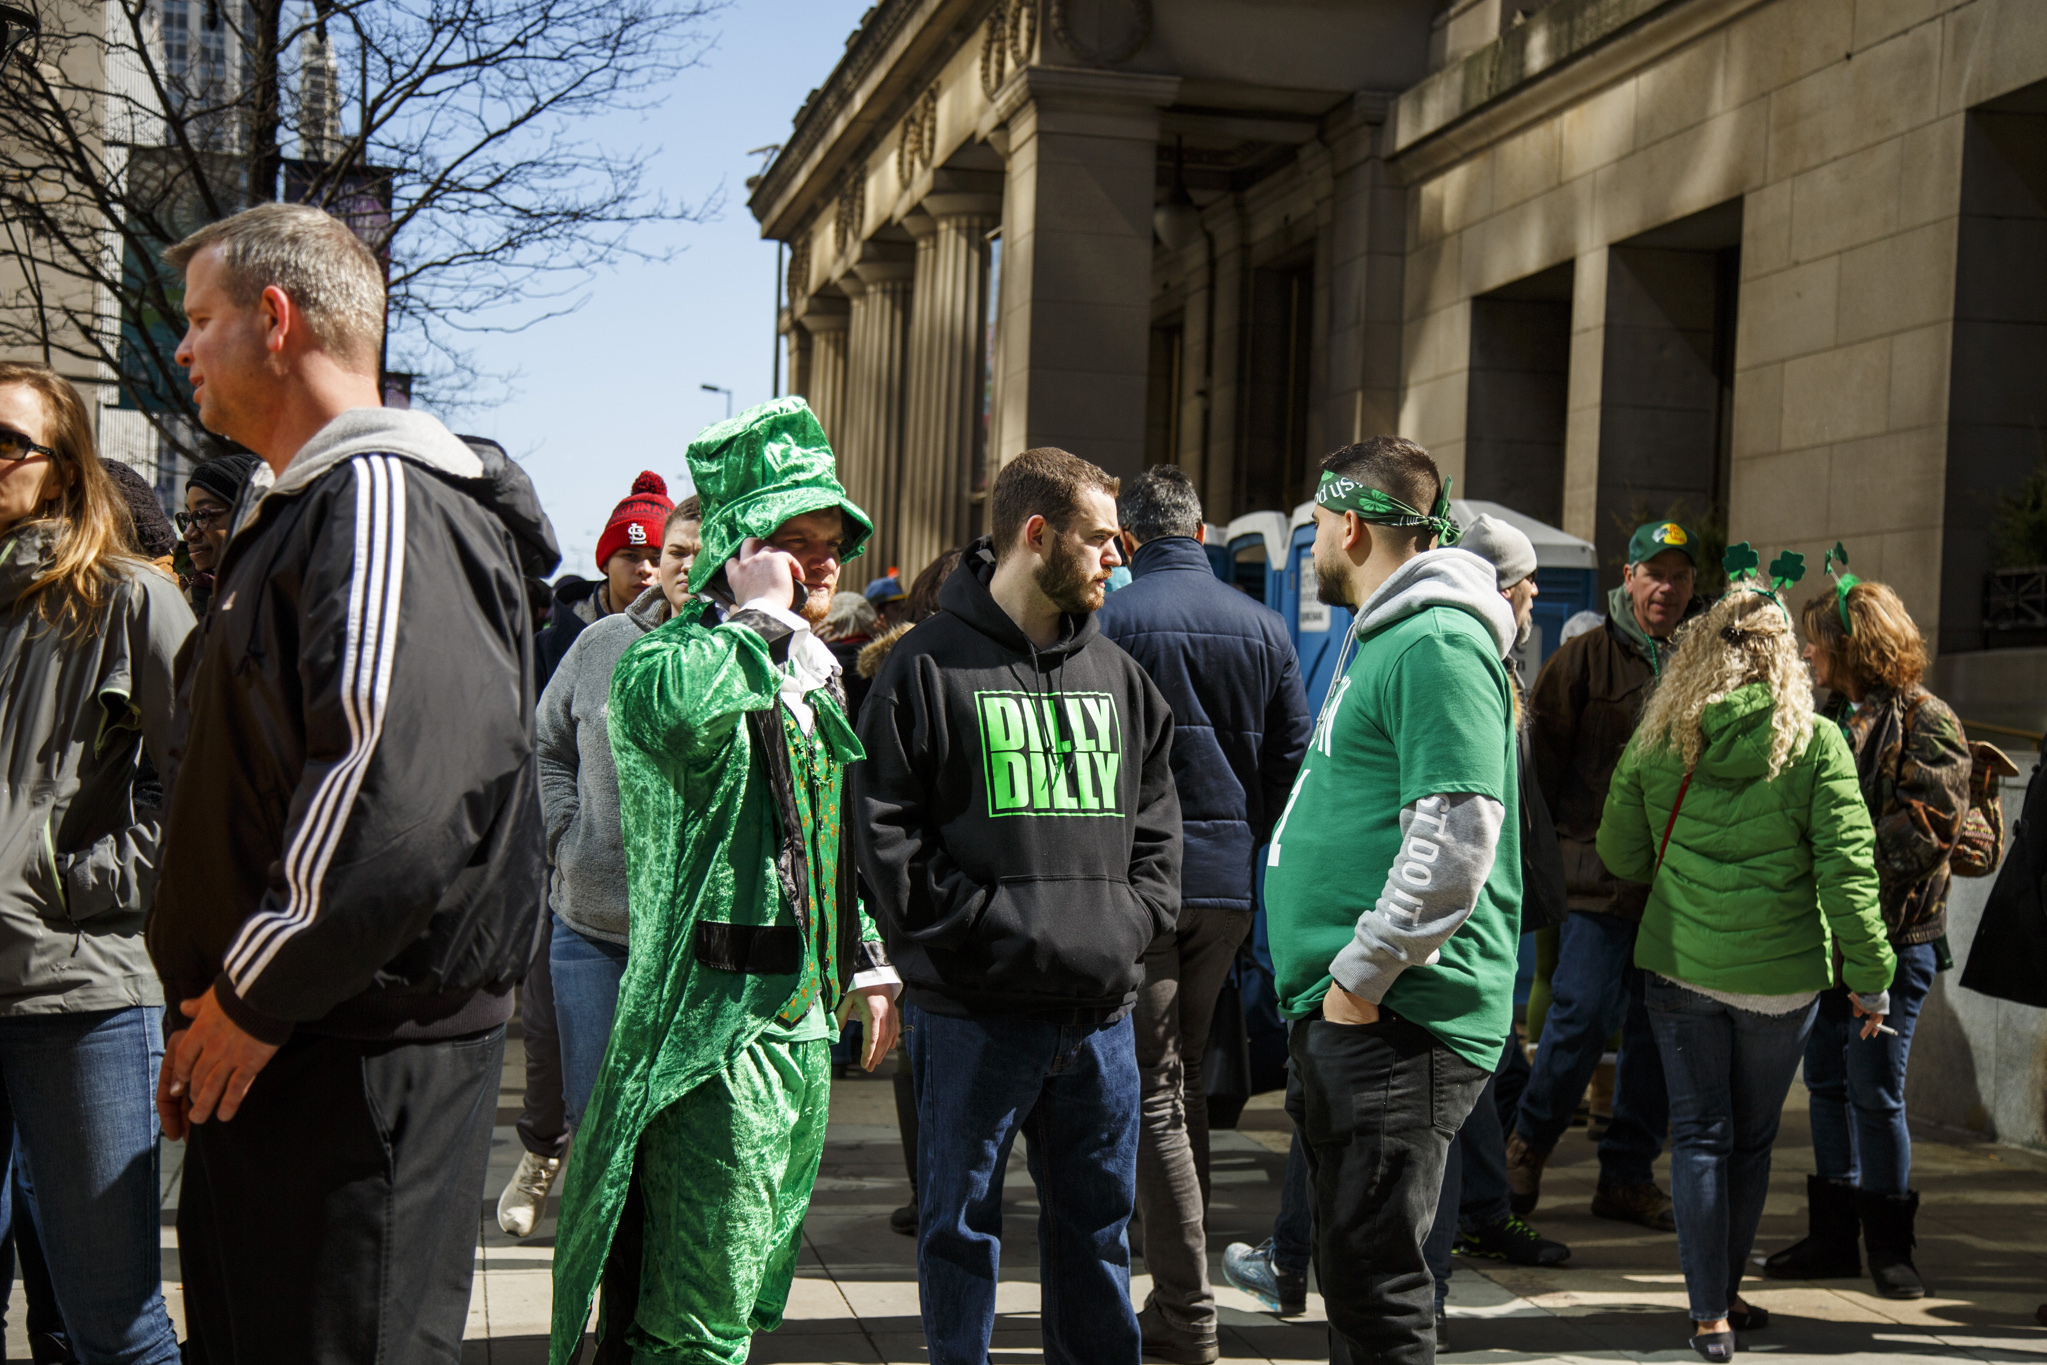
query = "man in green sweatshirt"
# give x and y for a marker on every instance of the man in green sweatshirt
(1393, 889)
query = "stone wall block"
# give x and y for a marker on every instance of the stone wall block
(1530, 237)
(1930, 172)
(1766, 230)
(1898, 283)
(1433, 410)
(1789, 313)
(1758, 411)
(1837, 395)
(1719, 160)
(1439, 343)
(1882, 92)
(1599, 131)
(1876, 20)
(1890, 482)
(1989, 48)
(1588, 352)
(1432, 276)
(1909, 561)
(1774, 45)
(1384, 277)
(1846, 202)
(1114, 336)
(1779, 499)
(1920, 361)
(1681, 91)
(1527, 164)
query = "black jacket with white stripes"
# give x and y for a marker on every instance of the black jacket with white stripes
(354, 842)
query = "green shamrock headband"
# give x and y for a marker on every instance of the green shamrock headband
(1837, 560)
(1340, 494)
(1786, 569)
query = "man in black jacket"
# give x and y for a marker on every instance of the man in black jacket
(1023, 849)
(353, 858)
(1240, 725)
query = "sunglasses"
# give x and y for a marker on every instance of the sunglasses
(203, 519)
(15, 447)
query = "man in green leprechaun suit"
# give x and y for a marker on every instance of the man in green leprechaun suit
(694, 1163)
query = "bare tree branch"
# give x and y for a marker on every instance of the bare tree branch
(460, 149)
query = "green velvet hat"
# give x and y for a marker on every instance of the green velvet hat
(757, 470)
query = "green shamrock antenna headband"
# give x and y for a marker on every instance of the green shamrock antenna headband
(1787, 568)
(1837, 560)
(1341, 494)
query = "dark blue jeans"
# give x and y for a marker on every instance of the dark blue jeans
(1293, 1231)
(1858, 1084)
(586, 974)
(1729, 1071)
(80, 1092)
(1596, 988)
(1072, 1091)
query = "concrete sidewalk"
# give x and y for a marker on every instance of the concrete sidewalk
(1982, 1230)
(1983, 1248)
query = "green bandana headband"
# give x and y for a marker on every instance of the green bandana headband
(1340, 494)
(1842, 582)
(1786, 569)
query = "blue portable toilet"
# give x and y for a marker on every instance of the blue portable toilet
(1257, 544)
(1217, 544)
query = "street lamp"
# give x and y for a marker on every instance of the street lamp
(17, 26)
(713, 388)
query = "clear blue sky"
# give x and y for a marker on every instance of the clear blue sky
(613, 389)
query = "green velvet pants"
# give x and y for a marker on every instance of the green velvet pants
(726, 1173)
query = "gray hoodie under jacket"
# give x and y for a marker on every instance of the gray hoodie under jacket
(579, 782)
(78, 858)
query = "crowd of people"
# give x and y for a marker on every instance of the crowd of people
(304, 800)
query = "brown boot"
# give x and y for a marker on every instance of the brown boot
(1524, 1175)
(1644, 1204)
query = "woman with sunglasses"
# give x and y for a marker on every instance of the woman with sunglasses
(88, 633)
(211, 492)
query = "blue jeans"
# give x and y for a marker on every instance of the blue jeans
(1072, 1091)
(1597, 987)
(1729, 1071)
(1293, 1231)
(1858, 1084)
(586, 975)
(80, 1092)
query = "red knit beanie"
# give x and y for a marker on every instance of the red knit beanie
(637, 521)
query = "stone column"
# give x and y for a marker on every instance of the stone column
(824, 382)
(948, 317)
(1082, 149)
(874, 398)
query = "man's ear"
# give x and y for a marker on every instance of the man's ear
(279, 317)
(1357, 536)
(1034, 533)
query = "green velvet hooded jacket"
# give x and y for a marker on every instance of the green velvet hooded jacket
(701, 751)
(1762, 878)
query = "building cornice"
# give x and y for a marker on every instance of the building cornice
(1546, 63)
(896, 43)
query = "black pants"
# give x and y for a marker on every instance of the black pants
(334, 1218)
(1377, 1106)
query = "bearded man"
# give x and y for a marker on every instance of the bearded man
(728, 727)
(1023, 849)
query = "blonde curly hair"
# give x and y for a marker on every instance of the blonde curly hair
(1745, 638)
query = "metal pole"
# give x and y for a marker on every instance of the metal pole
(775, 386)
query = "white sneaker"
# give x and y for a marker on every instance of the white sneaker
(520, 1205)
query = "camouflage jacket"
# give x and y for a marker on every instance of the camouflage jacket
(1913, 761)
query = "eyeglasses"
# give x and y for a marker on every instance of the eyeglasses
(203, 518)
(15, 447)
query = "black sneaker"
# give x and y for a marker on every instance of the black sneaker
(904, 1220)
(1512, 1241)
(1442, 1331)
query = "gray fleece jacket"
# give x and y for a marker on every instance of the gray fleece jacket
(579, 783)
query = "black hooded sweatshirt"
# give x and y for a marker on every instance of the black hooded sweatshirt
(1021, 827)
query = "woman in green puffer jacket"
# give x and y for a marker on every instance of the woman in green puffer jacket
(1767, 864)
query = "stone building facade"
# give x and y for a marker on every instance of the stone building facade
(1778, 265)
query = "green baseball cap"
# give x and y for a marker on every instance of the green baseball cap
(1652, 538)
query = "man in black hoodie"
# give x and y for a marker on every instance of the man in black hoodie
(352, 866)
(1023, 849)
